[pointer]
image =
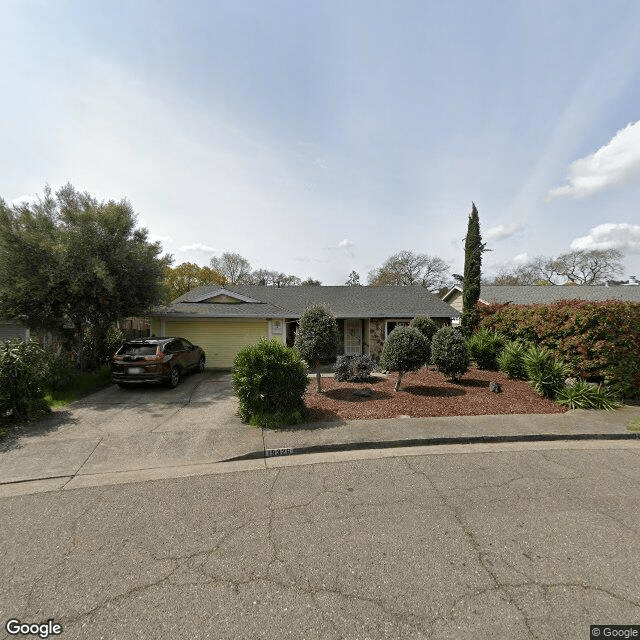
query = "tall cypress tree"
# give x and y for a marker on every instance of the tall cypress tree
(473, 249)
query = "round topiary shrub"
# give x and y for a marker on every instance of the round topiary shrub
(449, 353)
(485, 347)
(511, 360)
(426, 326)
(270, 381)
(404, 350)
(354, 368)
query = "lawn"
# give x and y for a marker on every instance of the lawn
(426, 393)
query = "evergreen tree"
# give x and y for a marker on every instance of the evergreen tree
(473, 248)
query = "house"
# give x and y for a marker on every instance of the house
(543, 294)
(10, 329)
(224, 319)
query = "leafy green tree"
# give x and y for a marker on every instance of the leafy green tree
(317, 338)
(405, 349)
(449, 353)
(353, 280)
(311, 282)
(70, 258)
(473, 248)
(186, 276)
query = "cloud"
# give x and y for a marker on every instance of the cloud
(198, 247)
(616, 163)
(502, 231)
(346, 244)
(23, 200)
(623, 236)
(522, 258)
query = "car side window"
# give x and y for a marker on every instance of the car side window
(171, 347)
(186, 344)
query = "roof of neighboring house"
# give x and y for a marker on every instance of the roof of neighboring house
(291, 302)
(532, 294)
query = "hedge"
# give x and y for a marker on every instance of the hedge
(596, 340)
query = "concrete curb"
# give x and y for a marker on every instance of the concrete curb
(426, 442)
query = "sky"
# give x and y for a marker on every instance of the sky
(320, 138)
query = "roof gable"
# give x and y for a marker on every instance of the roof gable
(217, 296)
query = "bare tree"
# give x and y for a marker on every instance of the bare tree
(590, 267)
(267, 277)
(353, 280)
(409, 268)
(235, 268)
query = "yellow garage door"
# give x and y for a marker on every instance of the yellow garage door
(221, 340)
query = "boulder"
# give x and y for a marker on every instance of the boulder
(365, 392)
(494, 387)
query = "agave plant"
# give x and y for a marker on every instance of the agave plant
(510, 360)
(546, 374)
(583, 395)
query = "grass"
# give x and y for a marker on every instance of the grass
(635, 425)
(81, 385)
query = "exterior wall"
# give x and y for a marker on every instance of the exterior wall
(456, 301)
(220, 339)
(365, 333)
(376, 336)
(11, 330)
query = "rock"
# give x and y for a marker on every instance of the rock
(569, 382)
(365, 392)
(494, 387)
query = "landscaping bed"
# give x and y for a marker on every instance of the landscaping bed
(425, 394)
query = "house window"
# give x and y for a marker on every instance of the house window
(392, 324)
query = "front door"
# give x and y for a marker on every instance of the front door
(353, 337)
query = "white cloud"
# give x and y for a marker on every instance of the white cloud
(522, 258)
(23, 200)
(198, 247)
(616, 163)
(623, 236)
(346, 244)
(502, 231)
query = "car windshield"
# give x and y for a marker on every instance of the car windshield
(137, 350)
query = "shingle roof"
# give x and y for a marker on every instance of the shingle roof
(291, 302)
(531, 294)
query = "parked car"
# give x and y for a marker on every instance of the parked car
(162, 360)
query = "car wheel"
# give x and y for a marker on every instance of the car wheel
(201, 365)
(174, 377)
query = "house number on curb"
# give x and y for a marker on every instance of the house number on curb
(270, 453)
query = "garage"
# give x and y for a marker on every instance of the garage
(220, 339)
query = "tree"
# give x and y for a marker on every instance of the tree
(69, 258)
(409, 268)
(267, 277)
(353, 280)
(317, 338)
(187, 276)
(310, 282)
(473, 248)
(590, 267)
(235, 268)
(449, 352)
(405, 349)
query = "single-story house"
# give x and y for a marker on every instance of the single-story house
(222, 320)
(544, 294)
(11, 329)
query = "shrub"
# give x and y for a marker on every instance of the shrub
(98, 347)
(511, 360)
(426, 326)
(317, 338)
(449, 352)
(546, 374)
(404, 350)
(62, 369)
(485, 347)
(270, 381)
(583, 395)
(598, 340)
(354, 368)
(23, 372)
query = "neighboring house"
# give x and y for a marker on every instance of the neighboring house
(222, 320)
(12, 329)
(545, 294)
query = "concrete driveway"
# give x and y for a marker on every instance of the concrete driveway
(118, 430)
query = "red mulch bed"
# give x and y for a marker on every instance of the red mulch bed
(424, 394)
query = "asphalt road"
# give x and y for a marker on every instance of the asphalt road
(511, 544)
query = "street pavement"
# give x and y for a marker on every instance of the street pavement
(513, 541)
(127, 435)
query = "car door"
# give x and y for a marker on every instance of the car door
(189, 352)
